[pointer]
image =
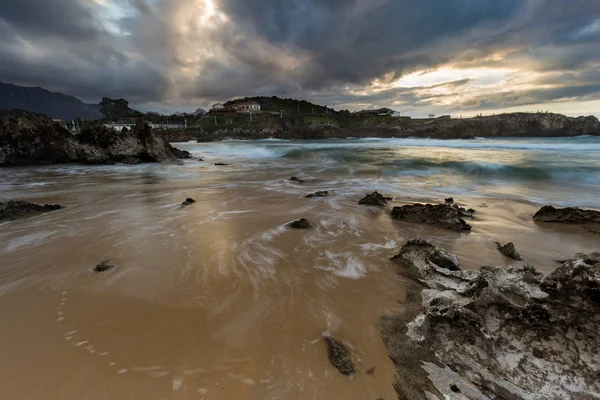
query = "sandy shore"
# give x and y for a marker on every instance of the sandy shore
(219, 300)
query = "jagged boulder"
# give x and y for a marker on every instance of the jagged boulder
(374, 199)
(508, 332)
(442, 215)
(12, 209)
(509, 250)
(29, 139)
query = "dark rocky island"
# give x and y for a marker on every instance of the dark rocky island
(30, 139)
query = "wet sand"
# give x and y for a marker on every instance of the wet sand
(218, 300)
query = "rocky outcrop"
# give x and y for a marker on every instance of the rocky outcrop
(296, 179)
(568, 215)
(499, 332)
(12, 210)
(589, 219)
(324, 193)
(463, 212)
(300, 224)
(502, 125)
(422, 261)
(508, 250)
(34, 139)
(339, 356)
(442, 215)
(374, 199)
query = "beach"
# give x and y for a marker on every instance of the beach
(219, 299)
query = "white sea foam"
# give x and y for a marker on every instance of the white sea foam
(390, 244)
(345, 265)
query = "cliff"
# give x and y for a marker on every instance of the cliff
(34, 139)
(338, 126)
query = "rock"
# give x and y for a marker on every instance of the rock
(318, 194)
(188, 202)
(449, 200)
(29, 139)
(12, 210)
(428, 264)
(509, 251)
(569, 215)
(588, 219)
(339, 356)
(441, 215)
(464, 212)
(104, 266)
(300, 224)
(182, 154)
(296, 180)
(374, 199)
(220, 164)
(506, 332)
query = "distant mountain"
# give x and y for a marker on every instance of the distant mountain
(42, 101)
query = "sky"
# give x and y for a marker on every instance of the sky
(458, 57)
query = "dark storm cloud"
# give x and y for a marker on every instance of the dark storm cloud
(356, 41)
(323, 50)
(65, 19)
(64, 45)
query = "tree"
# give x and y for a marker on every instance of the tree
(114, 109)
(431, 115)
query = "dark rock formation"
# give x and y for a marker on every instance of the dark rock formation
(422, 260)
(569, 215)
(34, 139)
(589, 219)
(449, 200)
(300, 224)
(374, 199)
(220, 164)
(463, 212)
(339, 356)
(296, 180)
(442, 215)
(188, 202)
(505, 332)
(504, 125)
(324, 193)
(12, 210)
(104, 266)
(509, 251)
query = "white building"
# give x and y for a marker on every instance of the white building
(247, 107)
